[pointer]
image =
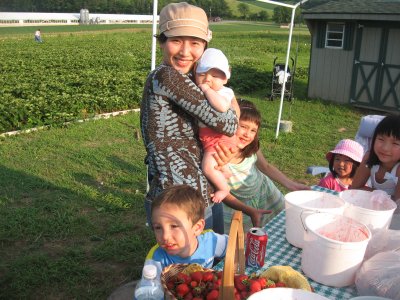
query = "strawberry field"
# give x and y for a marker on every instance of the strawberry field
(70, 77)
(74, 75)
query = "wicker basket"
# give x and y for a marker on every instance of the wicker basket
(234, 262)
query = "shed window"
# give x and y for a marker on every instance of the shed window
(334, 35)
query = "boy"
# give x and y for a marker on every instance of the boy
(178, 222)
(212, 73)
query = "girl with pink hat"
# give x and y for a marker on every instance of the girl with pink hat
(343, 163)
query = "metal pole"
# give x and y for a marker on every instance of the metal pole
(285, 74)
(154, 40)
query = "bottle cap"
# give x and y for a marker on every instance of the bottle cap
(149, 271)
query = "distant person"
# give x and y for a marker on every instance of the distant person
(212, 73)
(38, 36)
(343, 163)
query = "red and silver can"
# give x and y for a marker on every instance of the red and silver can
(256, 245)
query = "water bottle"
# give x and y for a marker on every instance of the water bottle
(149, 287)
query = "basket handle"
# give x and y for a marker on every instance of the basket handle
(234, 257)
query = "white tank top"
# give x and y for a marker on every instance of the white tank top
(389, 185)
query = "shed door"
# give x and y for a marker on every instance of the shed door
(376, 72)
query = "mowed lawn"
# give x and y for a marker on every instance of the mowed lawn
(72, 221)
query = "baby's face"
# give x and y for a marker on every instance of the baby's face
(215, 78)
(173, 230)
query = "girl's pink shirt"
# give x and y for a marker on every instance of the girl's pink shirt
(332, 183)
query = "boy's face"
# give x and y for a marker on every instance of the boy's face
(174, 232)
(215, 78)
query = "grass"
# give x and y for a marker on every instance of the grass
(72, 221)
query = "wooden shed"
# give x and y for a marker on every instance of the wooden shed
(355, 52)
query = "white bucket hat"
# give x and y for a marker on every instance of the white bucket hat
(213, 59)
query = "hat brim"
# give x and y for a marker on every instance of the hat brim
(329, 155)
(187, 31)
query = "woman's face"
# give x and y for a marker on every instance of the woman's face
(182, 52)
(246, 133)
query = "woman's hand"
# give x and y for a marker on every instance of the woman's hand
(223, 155)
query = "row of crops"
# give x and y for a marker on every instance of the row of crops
(76, 75)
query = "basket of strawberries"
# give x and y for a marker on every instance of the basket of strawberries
(193, 282)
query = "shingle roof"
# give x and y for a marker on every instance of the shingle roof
(356, 7)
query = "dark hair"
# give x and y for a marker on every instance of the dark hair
(390, 126)
(249, 112)
(354, 167)
(161, 38)
(185, 197)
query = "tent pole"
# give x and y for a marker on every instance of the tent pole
(154, 40)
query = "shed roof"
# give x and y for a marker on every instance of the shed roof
(379, 10)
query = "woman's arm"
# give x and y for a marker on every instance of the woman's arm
(272, 172)
(362, 175)
(253, 213)
(183, 92)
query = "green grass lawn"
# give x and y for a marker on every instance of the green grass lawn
(72, 220)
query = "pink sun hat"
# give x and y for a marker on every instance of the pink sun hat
(349, 148)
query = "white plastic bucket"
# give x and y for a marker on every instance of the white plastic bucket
(300, 204)
(334, 248)
(364, 207)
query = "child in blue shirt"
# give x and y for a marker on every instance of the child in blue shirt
(178, 222)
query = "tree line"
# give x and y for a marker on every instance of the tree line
(213, 8)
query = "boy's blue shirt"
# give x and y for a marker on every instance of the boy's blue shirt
(211, 245)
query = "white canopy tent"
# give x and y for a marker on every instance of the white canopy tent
(293, 7)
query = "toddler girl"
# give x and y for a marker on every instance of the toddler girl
(343, 163)
(382, 162)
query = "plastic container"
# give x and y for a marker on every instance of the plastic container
(149, 287)
(285, 294)
(300, 204)
(374, 209)
(334, 248)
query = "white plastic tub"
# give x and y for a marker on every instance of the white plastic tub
(300, 204)
(334, 248)
(374, 209)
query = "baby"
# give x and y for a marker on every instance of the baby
(212, 73)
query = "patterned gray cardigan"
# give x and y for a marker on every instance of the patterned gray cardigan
(171, 107)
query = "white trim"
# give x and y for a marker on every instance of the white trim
(96, 117)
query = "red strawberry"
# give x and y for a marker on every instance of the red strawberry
(255, 286)
(213, 295)
(197, 276)
(244, 294)
(263, 282)
(170, 285)
(217, 284)
(280, 284)
(188, 296)
(182, 289)
(220, 274)
(208, 276)
(241, 282)
(193, 284)
(183, 278)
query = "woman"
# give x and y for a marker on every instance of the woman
(172, 105)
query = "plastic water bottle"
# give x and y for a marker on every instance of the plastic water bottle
(149, 287)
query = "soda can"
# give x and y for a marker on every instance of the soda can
(256, 247)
